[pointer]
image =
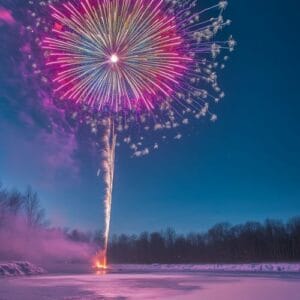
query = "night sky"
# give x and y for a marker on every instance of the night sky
(243, 167)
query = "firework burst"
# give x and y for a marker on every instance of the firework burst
(129, 65)
(116, 54)
(131, 57)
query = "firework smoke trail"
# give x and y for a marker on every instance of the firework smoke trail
(108, 166)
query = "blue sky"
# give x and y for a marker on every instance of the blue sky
(243, 167)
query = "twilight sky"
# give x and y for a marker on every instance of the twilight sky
(243, 167)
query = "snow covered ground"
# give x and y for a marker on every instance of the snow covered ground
(26, 268)
(187, 282)
(157, 285)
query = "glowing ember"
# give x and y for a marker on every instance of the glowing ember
(100, 261)
(100, 265)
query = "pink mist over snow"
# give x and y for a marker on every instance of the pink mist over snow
(44, 247)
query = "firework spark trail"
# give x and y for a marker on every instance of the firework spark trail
(108, 165)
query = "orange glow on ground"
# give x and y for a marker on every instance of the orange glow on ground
(100, 262)
(100, 266)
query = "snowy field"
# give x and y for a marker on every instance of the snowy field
(154, 282)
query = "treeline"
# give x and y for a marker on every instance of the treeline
(250, 242)
(15, 205)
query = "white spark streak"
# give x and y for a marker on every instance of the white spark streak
(108, 166)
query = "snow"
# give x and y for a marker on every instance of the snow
(144, 286)
(249, 268)
(19, 268)
(26, 268)
(265, 281)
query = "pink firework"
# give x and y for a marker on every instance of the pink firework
(129, 56)
(116, 54)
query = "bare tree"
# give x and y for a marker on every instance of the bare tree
(14, 202)
(35, 215)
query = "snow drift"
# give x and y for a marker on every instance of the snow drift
(19, 269)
